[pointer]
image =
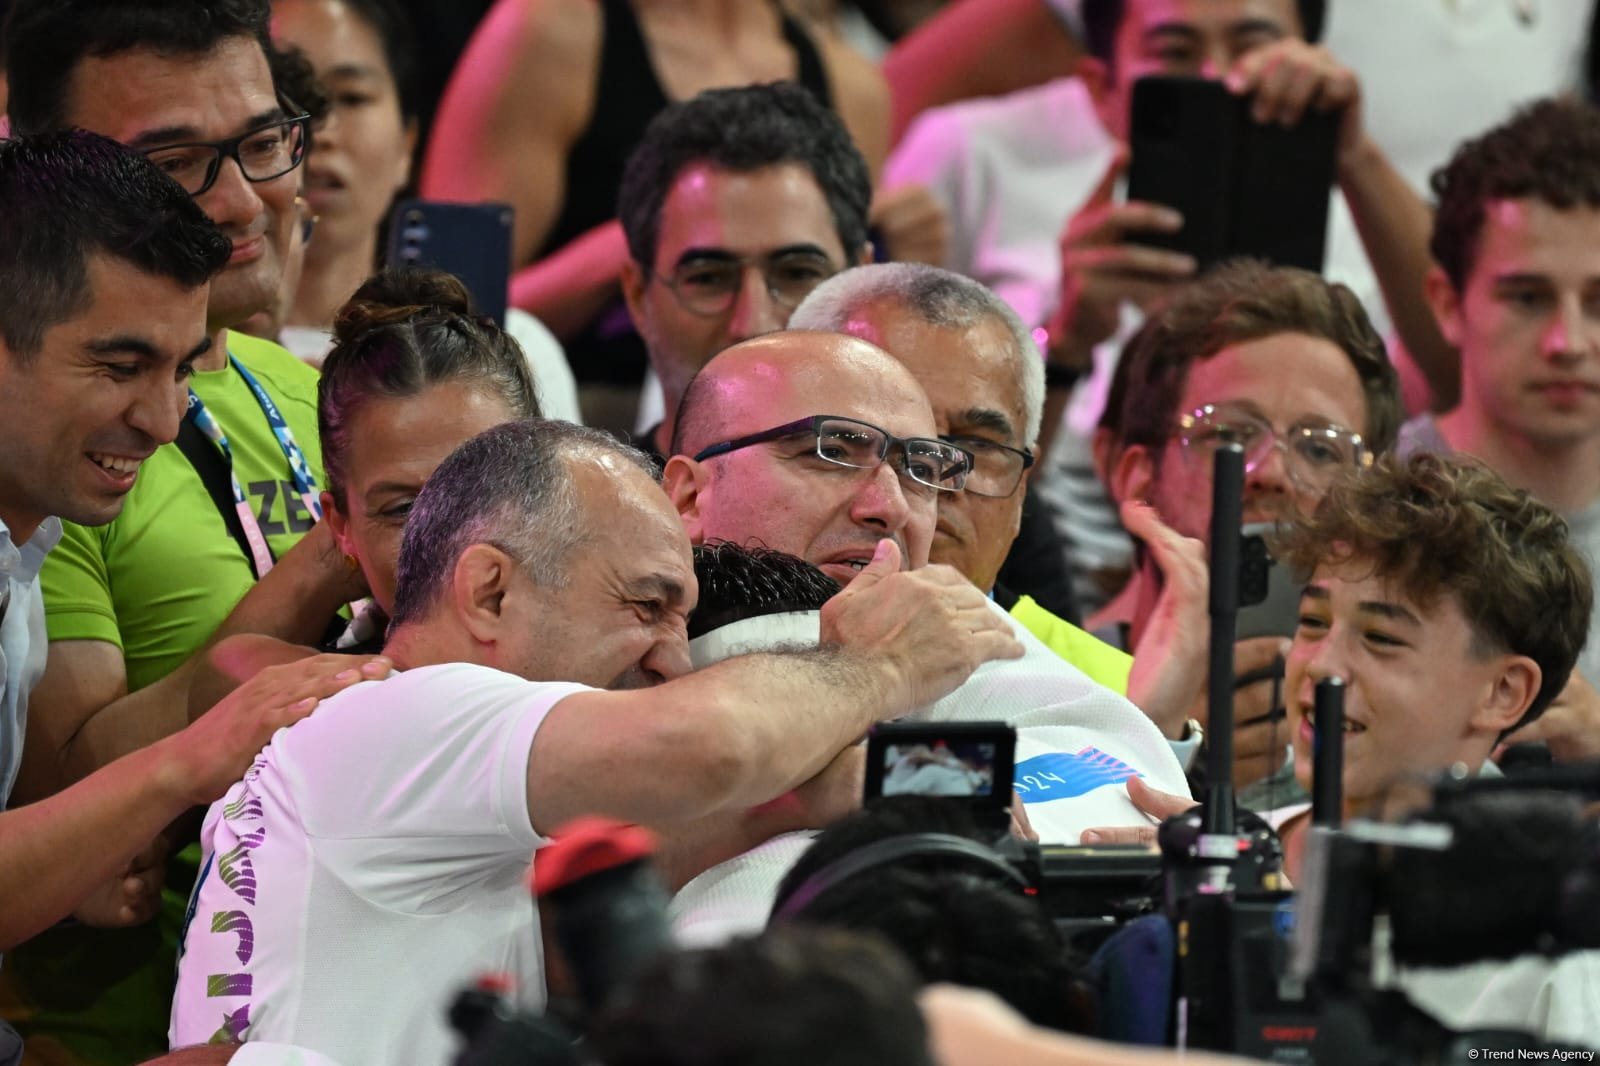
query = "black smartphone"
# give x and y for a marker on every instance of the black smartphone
(966, 761)
(471, 241)
(1244, 188)
(1269, 594)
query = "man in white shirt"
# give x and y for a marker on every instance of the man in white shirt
(375, 860)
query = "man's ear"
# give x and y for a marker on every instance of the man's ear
(1131, 474)
(1510, 694)
(684, 480)
(1445, 303)
(634, 281)
(478, 588)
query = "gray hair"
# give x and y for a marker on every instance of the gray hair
(941, 298)
(510, 486)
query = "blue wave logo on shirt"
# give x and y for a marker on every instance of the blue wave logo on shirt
(1063, 775)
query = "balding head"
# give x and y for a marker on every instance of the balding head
(802, 360)
(780, 494)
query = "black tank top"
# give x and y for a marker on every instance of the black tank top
(628, 96)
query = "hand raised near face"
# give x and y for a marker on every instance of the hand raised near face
(1103, 263)
(931, 626)
(1169, 664)
(1570, 725)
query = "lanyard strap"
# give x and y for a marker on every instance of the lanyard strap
(304, 481)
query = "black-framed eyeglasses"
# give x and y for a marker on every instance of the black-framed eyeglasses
(850, 442)
(708, 284)
(996, 468)
(1314, 453)
(266, 152)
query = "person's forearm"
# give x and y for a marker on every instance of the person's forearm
(726, 738)
(292, 607)
(128, 724)
(232, 662)
(791, 722)
(54, 852)
(293, 603)
(688, 849)
(568, 288)
(1395, 225)
(952, 55)
(299, 597)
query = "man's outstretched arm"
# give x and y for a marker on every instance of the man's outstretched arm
(54, 852)
(753, 727)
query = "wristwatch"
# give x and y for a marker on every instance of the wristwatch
(1187, 745)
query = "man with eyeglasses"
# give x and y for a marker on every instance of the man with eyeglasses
(735, 205)
(822, 446)
(187, 83)
(981, 370)
(1285, 364)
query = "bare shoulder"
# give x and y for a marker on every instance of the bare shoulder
(860, 94)
(550, 47)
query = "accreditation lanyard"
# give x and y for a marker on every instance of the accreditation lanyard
(305, 483)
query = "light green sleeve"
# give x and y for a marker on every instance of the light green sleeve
(77, 588)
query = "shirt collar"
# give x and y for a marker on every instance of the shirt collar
(21, 562)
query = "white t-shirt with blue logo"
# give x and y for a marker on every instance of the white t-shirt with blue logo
(1078, 742)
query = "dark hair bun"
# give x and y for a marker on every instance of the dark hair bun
(395, 296)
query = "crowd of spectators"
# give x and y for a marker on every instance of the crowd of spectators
(835, 342)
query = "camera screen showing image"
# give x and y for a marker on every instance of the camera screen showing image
(969, 761)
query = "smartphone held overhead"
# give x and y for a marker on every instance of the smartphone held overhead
(1244, 188)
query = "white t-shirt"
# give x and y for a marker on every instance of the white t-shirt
(1435, 72)
(1077, 744)
(1557, 1000)
(372, 862)
(260, 1054)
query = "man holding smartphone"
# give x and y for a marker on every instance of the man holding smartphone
(1016, 171)
(1283, 363)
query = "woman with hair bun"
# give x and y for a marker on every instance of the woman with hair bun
(363, 53)
(414, 372)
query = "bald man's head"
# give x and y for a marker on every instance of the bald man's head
(744, 370)
(780, 493)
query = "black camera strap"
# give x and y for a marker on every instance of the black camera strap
(893, 850)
